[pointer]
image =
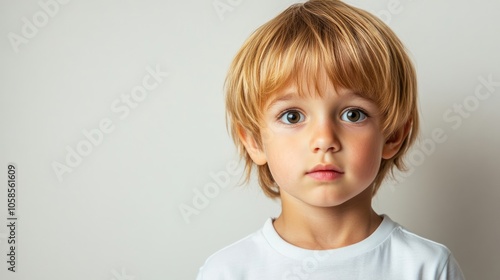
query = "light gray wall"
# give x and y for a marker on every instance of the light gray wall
(114, 213)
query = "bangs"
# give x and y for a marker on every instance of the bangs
(308, 43)
(305, 47)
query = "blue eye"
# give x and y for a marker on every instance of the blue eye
(353, 115)
(292, 117)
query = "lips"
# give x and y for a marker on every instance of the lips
(325, 172)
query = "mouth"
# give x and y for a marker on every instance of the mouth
(322, 172)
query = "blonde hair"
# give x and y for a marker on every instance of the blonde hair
(354, 48)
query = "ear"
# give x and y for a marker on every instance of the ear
(253, 149)
(394, 142)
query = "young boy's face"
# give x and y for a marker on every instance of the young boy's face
(322, 151)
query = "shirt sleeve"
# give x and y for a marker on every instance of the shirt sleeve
(451, 270)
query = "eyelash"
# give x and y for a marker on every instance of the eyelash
(366, 116)
(287, 111)
(295, 110)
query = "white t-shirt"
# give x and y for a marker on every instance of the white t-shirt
(391, 252)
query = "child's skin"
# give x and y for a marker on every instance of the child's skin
(337, 132)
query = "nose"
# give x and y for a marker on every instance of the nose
(324, 137)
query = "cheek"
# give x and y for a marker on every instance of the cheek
(282, 158)
(280, 169)
(367, 155)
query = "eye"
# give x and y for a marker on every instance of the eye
(292, 117)
(353, 115)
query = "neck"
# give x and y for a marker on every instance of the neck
(321, 228)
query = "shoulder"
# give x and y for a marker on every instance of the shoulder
(421, 255)
(417, 245)
(231, 261)
(235, 252)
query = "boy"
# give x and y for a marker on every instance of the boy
(322, 100)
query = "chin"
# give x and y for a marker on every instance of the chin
(329, 202)
(328, 199)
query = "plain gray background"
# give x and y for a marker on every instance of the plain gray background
(69, 68)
